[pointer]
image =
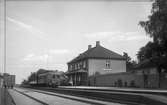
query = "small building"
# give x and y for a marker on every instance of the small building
(94, 61)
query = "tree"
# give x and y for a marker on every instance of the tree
(32, 77)
(129, 62)
(150, 50)
(156, 28)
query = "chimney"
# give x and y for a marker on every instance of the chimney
(97, 43)
(89, 47)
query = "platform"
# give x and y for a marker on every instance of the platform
(60, 99)
(5, 97)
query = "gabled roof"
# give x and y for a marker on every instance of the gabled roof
(98, 52)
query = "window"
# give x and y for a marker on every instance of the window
(75, 66)
(70, 67)
(53, 76)
(84, 64)
(108, 64)
(58, 76)
(78, 66)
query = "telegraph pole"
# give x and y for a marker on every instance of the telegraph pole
(4, 36)
(4, 55)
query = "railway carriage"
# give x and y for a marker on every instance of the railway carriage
(51, 79)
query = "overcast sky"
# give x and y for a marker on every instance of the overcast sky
(49, 34)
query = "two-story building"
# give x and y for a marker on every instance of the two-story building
(94, 61)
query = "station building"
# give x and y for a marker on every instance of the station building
(94, 61)
(98, 66)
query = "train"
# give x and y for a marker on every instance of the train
(50, 79)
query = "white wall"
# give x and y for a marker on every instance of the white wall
(99, 65)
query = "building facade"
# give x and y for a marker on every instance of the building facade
(144, 75)
(94, 61)
(1, 80)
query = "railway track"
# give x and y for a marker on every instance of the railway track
(74, 99)
(130, 90)
(35, 99)
(130, 98)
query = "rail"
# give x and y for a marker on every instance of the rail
(111, 96)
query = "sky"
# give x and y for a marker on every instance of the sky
(48, 34)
